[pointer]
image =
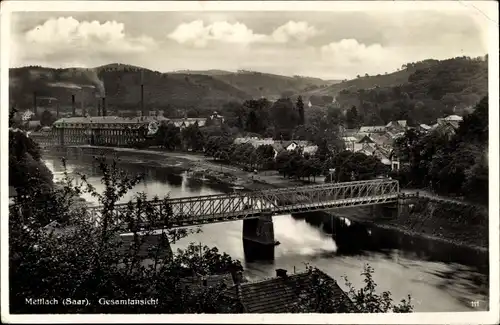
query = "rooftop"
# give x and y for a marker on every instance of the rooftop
(372, 128)
(104, 119)
(281, 294)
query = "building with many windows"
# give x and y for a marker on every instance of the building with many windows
(98, 130)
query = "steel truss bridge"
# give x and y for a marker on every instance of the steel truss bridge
(192, 211)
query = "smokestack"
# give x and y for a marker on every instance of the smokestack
(82, 103)
(57, 110)
(142, 100)
(73, 106)
(34, 104)
(142, 93)
(99, 107)
(104, 106)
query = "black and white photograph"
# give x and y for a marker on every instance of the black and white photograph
(250, 162)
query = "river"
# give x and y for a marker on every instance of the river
(438, 278)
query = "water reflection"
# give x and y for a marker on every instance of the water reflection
(440, 277)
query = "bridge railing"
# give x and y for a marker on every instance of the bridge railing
(219, 207)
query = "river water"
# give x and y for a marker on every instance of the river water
(438, 277)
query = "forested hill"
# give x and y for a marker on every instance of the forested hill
(121, 84)
(431, 90)
(367, 81)
(267, 85)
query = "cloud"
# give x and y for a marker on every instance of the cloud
(66, 34)
(197, 34)
(294, 31)
(350, 51)
(351, 56)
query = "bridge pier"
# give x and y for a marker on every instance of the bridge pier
(258, 238)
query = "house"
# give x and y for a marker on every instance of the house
(383, 155)
(311, 150)
(198, 282)
(447, 125)
(104, 122)
(397, 126)
(349, 132)
(372, 129)
(290, 145)
(424, 128)
(351, 143)
(384, 140)
(395, 162)
(285, 292)
(278, 145)
(187, 121)
(216, 118)
(256, 142)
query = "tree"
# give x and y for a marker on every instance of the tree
(26, 168)
(449, 165)
(306, 132)
(318, 295)
(193, 137)
(265, 156)
(84, 259)
(168, 136)
(257, 115)
(367, 300)
(352, 118)
(284, 115)
(47, 118)
(351, 166)
(300, 108)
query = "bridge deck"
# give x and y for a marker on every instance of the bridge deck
(190, 211)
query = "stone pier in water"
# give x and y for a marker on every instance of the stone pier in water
(258, 237)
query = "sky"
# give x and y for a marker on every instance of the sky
(324, 44)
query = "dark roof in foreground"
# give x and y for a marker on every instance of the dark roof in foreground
(280, 294)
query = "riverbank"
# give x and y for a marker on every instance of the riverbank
(436, 218)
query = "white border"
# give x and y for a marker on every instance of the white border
(489, 12)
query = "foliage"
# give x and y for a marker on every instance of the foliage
(285, 117)
(293, 164)
(84, 258)
(47, 118)
(257, 120)
(306, 132)
(168, 136)
(367, 300)
(351, 166)
(193, 138)
(319, 296)
(165, 91)
(449, 164)
(300, 108)
(352, 118)
(424, 92)
(26, 168)
(259, 84)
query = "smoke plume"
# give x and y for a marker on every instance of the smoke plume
(65, 85)
(92, 75)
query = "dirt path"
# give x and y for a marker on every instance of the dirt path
(439, 198)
